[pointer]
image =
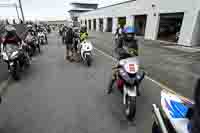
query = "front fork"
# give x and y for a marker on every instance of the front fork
(133, 92)
(12, 66)
(130, 93)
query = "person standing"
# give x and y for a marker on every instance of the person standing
(119, 37)
(69, 42)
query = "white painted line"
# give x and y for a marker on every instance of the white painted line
(147, 77)
(4, 85)
(107, 55)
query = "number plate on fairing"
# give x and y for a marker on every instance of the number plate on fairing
(132, 67)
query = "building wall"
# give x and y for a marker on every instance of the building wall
(139, 7)
(196, 31)
(153, 9)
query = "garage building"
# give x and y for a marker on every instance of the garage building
(168, 20)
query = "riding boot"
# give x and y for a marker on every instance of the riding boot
(67, 55)
(110, 85)
(72, 56)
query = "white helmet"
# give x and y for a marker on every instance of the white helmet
(10, 28)
(29, 26)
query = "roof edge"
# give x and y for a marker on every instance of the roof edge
(113, 5)
(84, 3)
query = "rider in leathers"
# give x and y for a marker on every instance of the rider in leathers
(127, 50)
(12, 38)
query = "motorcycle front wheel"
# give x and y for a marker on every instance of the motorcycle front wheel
(130, 109)
(88, 60)
(15, 71)
(155, 128)
(39, 50)
(33, 50)
(28, 61)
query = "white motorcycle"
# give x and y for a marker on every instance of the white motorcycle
(16, 58)
(128, 81)
(174, 114)
(42, 38)
(86, 49)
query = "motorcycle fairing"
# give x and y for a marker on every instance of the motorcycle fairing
(175, 107)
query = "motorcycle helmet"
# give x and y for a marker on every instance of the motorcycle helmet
(10, 28)
(130, 42)
(84, 29)
(129, 33)
(29, 26)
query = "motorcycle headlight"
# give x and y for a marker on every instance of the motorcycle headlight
(129, 80)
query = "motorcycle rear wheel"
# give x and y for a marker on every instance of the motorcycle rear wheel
(28, 61)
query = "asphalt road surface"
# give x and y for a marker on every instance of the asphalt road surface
(56, 96)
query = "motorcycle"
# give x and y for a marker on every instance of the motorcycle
(16, 58)
(174, 114)
(128, 81)
(42, 38)
(34, 45)
(86, 48)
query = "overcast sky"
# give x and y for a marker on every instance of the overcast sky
(48, 9)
